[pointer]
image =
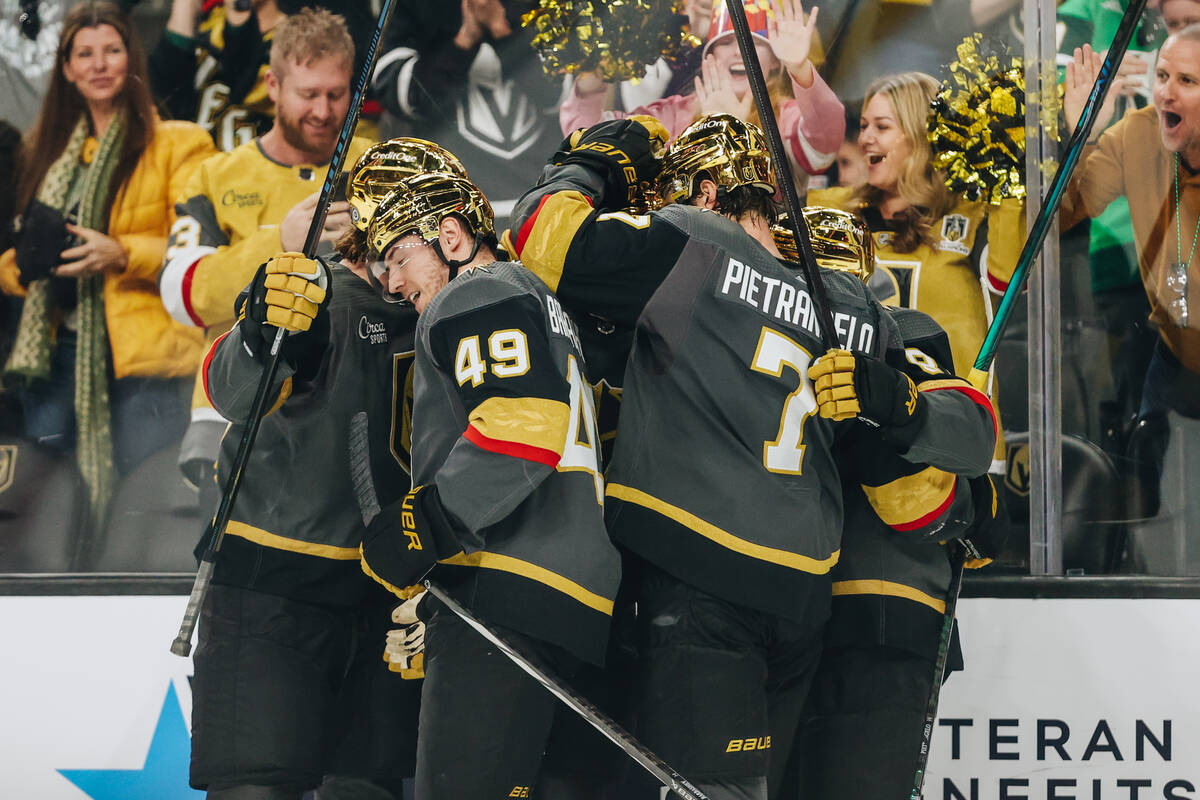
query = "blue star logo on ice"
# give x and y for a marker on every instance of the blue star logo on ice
(164, 775)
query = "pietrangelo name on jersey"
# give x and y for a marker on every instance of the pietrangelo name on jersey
(791, 304)
(560, 322)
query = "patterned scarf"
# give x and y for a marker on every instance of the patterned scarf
(30, 357)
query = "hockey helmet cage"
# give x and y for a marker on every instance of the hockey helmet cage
(420, 203)
(731, 152)
(383, 165)
(840, 241)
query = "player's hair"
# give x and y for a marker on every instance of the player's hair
(309, 36)
(63, 105)
(353, 244)
(746, 201)
(922, 187)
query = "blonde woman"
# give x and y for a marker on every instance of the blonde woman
(935, 252)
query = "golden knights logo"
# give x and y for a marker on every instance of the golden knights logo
(1016, 475)
(8, 465)
(954, 234)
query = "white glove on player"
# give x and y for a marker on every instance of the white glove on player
(404, 651)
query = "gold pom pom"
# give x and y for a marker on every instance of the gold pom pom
(616, 38)
(977, 123)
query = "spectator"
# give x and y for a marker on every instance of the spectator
(811, 119)
(103, 368)
(244, 206)
(1152, 156)
(210, 63)
(933, 248)
(468, 79)
(209, 66)
(1116, 286)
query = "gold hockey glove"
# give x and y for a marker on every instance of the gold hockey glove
(406, 538)
(289, 291)
(856, 385)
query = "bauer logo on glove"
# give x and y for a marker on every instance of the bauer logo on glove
(852, 385)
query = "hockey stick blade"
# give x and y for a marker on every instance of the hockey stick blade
(592, 715)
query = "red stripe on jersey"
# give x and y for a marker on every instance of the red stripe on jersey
(928, 518)
(208, 360)
(979, 397)
(185, 290)
(527, 228)
(998, 286)
(515, 449)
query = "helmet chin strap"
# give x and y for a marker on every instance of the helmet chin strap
(455, 266)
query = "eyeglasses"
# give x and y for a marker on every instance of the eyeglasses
(28, 20)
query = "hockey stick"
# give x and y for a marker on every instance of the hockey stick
(1058, 184)
(182, 646)
(987, 351)
(594, 716)
(783, 170)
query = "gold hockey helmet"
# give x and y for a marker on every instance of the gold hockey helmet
(840, 240)
(420, 203)
(382, 166)
(731, 152)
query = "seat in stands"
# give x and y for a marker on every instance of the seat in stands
(43, 504)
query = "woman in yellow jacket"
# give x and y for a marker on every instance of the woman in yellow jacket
(100, 366)
(935, 252)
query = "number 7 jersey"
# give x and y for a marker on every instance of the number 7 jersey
(723, 472)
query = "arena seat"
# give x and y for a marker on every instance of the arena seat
(152, 521)
(43, 503)
(1165, 538)
(1092, 503)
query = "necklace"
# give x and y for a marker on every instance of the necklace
(1177, 274)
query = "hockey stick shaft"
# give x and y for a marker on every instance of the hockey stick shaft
(182, 646)
(1058, 184)
(592, 715)
(939, 667)
(987, 352)
(783, 170)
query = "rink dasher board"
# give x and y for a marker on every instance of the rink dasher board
(1062, 698)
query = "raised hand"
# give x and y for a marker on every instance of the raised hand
(790, 33)
(714, 92)
(1081, 74)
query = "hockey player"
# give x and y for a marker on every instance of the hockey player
(287, 575)
(242, 207)
(868, 699)
(738, 544)
(507, 497)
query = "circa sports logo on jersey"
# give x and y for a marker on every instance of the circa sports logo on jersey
(954, 234)
(789, 303)
(241, 199)
(372, 332)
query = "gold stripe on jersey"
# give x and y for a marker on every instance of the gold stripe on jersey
(891, 589)
(530, 421)
(722, 537)
(910, 499)
(543, 242)
(525, 569)
(268, 539)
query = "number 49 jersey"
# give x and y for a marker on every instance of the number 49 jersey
(723, 472)
(504, 426)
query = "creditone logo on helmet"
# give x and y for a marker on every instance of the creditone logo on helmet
(384, 165)
(420, 203)
(840, 240)
(730, 152)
